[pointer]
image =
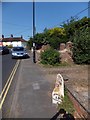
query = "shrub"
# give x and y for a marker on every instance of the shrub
(81, 49)
(50, 56)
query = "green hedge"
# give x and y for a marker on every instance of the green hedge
(50, 56)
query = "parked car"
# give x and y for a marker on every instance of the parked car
(4, 50)
(19, 52)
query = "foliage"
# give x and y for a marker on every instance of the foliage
(9, 46)
(75, 30)
(50, 56)
(67, 104)
(54, 42)
(30, 43)
(55, 37)
(39, 38)
(56, 32)
(73, 25)
(81, 49)
(78, 32)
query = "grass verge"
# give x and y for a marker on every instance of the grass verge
(67, 104)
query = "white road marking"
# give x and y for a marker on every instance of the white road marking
(36, 86)
(8, 84)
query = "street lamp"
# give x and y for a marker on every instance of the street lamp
(34, 30)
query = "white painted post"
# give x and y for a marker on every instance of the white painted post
(58, 92)
(61, 84)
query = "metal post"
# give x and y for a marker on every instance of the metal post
(34, 54)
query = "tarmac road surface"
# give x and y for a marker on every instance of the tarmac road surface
(32, 95)
(7, 65)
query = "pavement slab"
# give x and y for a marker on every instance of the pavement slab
(32, 97)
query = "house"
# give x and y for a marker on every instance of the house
(14, 41)
(1, 42)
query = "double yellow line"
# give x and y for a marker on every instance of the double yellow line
(8, 84)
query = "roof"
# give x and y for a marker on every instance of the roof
(12, 39)
(0, 39)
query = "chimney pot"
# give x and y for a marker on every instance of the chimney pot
(12, 35)
(2, 36)
(21, 36)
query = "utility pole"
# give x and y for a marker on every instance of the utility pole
(34, 30)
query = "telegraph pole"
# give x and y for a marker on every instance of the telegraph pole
(34, 30)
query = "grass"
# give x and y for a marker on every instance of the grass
(67, 104)
(55, 65)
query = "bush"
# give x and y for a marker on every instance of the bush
(50, 56)
(81, 49)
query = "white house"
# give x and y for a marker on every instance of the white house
(14, 41)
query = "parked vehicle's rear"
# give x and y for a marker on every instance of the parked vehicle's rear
(4, 50)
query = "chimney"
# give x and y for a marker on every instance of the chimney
(2, 36)
(21, 37)
(11, 35)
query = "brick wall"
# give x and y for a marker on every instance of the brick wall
(83, 114)
(66, 52)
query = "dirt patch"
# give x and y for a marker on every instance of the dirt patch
(76, 77)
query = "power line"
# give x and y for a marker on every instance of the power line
(81, 11)
(59, 24)
(18, 25)
(20, 32)
(52, 27)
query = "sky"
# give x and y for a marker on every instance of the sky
(17, 17)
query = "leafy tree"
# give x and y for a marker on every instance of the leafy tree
(57, 32)
(30, 43)
(39, 40)
(39, 37)
(69, 28)
(74, 30)
(52, 36)
(55, 36)
(78, 32)
(54, 42)
(74, 24)
(81, 47)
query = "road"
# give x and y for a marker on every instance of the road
(7, 66)
(30, 93)
(0, 73)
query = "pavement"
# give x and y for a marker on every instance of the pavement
(0, 80)
(32, 95)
